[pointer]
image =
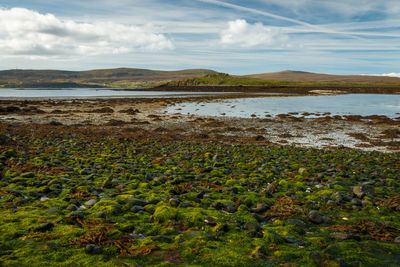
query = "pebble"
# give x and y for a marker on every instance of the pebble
(93, 249)
(315, 217)
(362, 190)
(44, 227)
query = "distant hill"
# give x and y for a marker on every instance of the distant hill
(300, 76)
(121, 77)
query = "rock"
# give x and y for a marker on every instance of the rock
(259, 253)
(296, 222)
(201, 195)
(72, 207)
(76, 215)
(362, 190)
(344, 236)
(365, 202)
(44, 227)
(397, 240)
(93, 249)
(259, 138)
(162, 238)
(137, 208)
(261, 207)
(90, 202)
(271, 188)
(227, 206)
(174, 202)
(220, 228)
(210, 221)
(356, 202)
(315, 217)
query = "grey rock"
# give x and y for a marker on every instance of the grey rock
(397, 240)
(315, 217)
(72, 207)
(90, 202)
(93, 249)
(252, 226)
(229, 207)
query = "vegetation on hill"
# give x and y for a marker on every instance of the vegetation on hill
(114, 78)
(223, 79)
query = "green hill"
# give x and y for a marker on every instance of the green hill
(122, 77)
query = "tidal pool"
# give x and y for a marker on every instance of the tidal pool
(351, 104)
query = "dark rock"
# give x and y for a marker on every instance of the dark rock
(4, 140)
(76, 215)
(315, 217)
(44, 227)
(356, 202)
(72, 207)
(259, 138)
(162, 238)
(200, 195)
(235, 190)
(362, 190)
(93, 249)
(137, 208)
(229, 207)
(210, 221)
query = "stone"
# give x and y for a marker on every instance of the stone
(356, 202)
(185, 205)
(136, 208)
(229, 207)
(362, 190)
(93, 249)
(72, 207)
(174, 202)
(44, 227)
(90, 202)
(260, 207)
(76, 215)
(315, 217)
(210, 221)
(397, 240)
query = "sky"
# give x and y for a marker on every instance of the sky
(232, 36)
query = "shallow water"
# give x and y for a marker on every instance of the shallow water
(86, 92)
(351, 104)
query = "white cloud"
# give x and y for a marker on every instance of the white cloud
(29, 33)
(392, 74)
(242, 34)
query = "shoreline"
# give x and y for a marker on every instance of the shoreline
(146, 117)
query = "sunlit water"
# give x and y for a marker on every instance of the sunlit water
(86, 92)
(351, 104)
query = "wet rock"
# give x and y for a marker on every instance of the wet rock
(44, 227)
(90, 202)
(210, 221)
(137, 208)
(362, 190)
(162, 238)
(344, 236)
(356, 202)
(93, 249)
(315, 217)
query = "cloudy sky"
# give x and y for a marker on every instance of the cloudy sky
(239, 37)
